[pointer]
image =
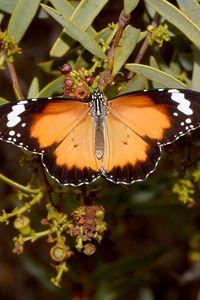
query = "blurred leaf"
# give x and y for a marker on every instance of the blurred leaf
(21, 18)
(185, 4)
(177, 18)
(130, 5)
(34, 88)
(126, 45)
(153, 63)
(7, 5)
(155, 74)
(54, 86)
(134, 84)
(76, 33)
(125, 266)
(3, 101)
(196, 71)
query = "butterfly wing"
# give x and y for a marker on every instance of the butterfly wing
(52, 127)
(139, 123)
(73, 161)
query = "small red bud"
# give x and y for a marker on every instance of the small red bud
(89, 80)
(65, 69)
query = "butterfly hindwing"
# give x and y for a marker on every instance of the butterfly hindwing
(73, 161)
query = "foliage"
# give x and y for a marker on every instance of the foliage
(152, 241)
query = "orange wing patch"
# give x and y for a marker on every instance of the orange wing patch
(131, 149)
(73, 161)
(56, 121)
(141, 115)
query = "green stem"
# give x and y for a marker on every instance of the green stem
(19, 211)
(18, 186)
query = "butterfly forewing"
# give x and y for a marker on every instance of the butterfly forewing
(57, 128)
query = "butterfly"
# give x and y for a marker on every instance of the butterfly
(120, 138)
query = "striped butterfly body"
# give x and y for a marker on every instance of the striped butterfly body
(119, 138)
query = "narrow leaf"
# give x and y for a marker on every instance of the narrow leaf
(134, 84)
(185, 4)
(126, 45)
(76, 32)
(159, 76)
(129, 6)
(63, 6)
(86, 12)
(177, 18)
(34, 88)
(51, 88)
(7, 5)
(196, 71)
(21, 18)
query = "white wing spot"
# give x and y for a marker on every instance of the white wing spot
(186, 127)
(182, 123)
(14, 140)
(34, 99)
(23, 124)
(22, 102)
(188, 121)
(173, 91)
(184, 104)
(12, 132)
(18, 134)
(175, 114)
(160, 90)
(13, 116)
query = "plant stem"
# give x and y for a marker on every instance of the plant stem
(18, 186)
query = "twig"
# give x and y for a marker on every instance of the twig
(123, 21)
(18, 186)
(145, 45)
(13, 76)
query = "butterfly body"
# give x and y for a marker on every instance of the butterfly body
(119, 138)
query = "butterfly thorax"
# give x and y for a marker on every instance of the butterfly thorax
(98, 110)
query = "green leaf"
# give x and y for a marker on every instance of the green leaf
(34, 88)
(185, 4)
(86, 12)
(76, 32)
(134, 84)
(83, 15)
(51, 88)
(3, 101)
(127, 43)
(21, 18)
(196, 71)
(177, 18)
(7, 5)
(63, 6)
(129, 6)
(159, 76)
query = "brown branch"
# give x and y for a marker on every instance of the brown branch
(13, 75)
(145, 44)
(14, 79)
(123, 21)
